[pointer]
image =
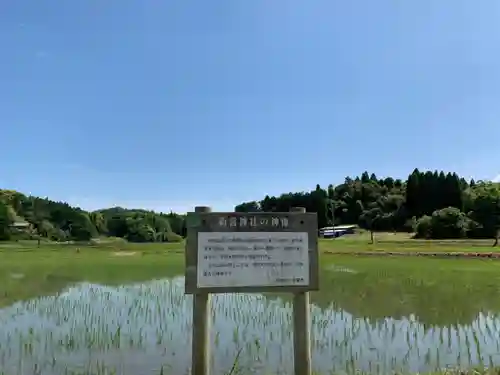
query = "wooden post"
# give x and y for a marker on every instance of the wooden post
(200, 356)
(203, 226)
(301, 328)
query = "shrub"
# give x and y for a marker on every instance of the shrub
(423, 227)
(173, 237)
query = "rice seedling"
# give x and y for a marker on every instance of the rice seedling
(372, 315)
(142, 328)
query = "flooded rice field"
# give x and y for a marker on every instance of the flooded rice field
(146, 329)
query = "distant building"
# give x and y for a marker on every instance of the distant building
(336, 231)
(20, 225)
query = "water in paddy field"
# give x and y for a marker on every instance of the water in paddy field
(137, 329)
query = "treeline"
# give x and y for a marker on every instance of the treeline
(24, 216)
(432, 204)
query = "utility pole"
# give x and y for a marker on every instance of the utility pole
(332, 207)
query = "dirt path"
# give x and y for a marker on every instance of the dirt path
(124, 253)
(442, 254)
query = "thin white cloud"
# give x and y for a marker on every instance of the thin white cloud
(496, 179)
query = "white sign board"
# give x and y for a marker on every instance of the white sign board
(246, 259)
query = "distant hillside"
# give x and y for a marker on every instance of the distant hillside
(434, 204)
(24, 216)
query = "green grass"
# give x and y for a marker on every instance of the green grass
(405, 284)
(27, 271)
(439, 291)
(402, 242)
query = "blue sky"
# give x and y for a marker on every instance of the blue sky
(172, 104)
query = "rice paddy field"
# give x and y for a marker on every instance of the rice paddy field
(121, 309)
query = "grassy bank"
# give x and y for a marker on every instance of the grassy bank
(402, 242)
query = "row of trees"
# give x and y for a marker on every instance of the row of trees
(62, 222)
(433, 204)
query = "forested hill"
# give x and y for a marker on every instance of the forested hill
(24, 216)
(433, 204)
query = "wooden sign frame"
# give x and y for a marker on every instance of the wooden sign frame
(205, 221)
(261, 222)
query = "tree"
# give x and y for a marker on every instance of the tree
(5, 221)
(436, 204)
(423, 228)
(319, 201)
(484, 205)
(369, 219)
(449, 222)
(97, 219)
(399, 205)
(59, 221)
(252, 206)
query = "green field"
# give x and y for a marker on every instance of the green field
(404, 243)
(121, 307)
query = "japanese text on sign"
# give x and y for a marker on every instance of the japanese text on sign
(253, 221)
(244, 259)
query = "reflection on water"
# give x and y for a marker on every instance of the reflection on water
(138, 329)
